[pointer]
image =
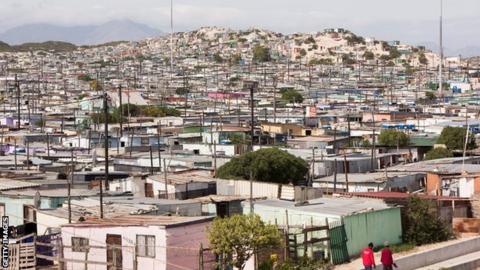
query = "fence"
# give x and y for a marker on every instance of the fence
(22, 255)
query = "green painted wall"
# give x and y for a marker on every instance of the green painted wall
(361, 229)
(376, 227)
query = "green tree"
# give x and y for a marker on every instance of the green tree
(430, 96)
(261, 54)
(236, 238)
(181, 91)
(217, 58)
(392, 137)
(368, 55)
(236, 59)
(394, 53)
(291, 95)
(95, 85)
(303, 52)
(438, 153)
(454, 138)
(422, 224)
(265, 165)
(422, 58)
(84, 77)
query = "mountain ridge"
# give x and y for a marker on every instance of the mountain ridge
(79, 35)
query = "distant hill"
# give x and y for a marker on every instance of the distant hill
(79, 35)
(468, 51)
(57, 46)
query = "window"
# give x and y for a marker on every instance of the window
(79, 244)
(146, 246)
(144, 141)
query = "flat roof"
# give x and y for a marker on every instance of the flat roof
(402, 195)
(330, 206)
(144, 220)
(375, 177)
(9, 184)
(184, 177)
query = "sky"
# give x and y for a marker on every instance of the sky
(411, 21)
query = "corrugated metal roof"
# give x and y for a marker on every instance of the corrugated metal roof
(330, 206)
(140, 221)
(401, 195)
(9, 184)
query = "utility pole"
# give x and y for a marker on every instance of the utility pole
(48, 144)
(15, 152)
(121, 109)
(372, 160)
(151, 160)
(440, 67)
(17, 86)
(28, 154)
(165, 179)
(69, 185)
(275, 100)
(334, 175)
(252, 85)
(345, 168)
(105, 111)
(159, 131)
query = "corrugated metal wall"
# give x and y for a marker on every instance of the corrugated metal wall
(376, 227)
(242, 188)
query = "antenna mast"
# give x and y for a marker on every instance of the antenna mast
(440, 69)
(171, 36)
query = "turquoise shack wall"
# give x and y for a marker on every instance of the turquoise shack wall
(361, 228)
(14, 206)
(376, 227)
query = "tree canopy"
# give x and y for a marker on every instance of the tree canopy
(291, 95)
(392, 137)
(454, 138)
(236, 238)
(261, 54)
(135, 111)
(438, 153)
(265, 165)
(422, 225)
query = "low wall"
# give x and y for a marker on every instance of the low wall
(466, 225)
(437, 255)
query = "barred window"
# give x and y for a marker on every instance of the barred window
(79, 244)
(146, 246)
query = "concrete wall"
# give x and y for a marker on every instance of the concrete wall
(436, 255)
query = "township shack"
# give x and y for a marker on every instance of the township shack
(364, 220)
(135, 242)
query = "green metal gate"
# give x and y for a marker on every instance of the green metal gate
(338, 243)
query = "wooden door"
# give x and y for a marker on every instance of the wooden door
(114, 252)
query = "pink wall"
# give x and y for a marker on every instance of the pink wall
(182, 252)
(184, 245)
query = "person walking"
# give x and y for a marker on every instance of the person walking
(387, 258)
(367, 257)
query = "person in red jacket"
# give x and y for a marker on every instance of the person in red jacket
(387, 258)
(368, 258)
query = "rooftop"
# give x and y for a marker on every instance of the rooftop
(165, 221)
(330, 206)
